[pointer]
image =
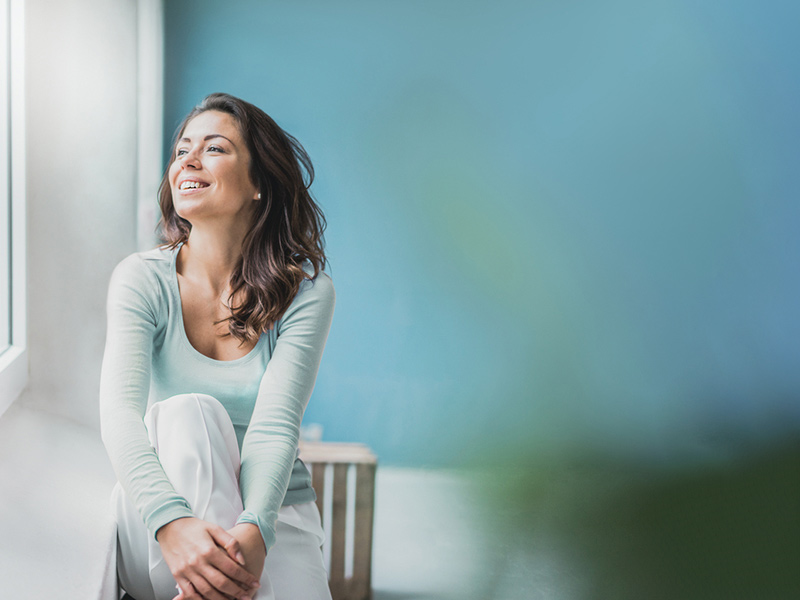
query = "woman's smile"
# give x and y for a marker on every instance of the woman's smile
(189, 185)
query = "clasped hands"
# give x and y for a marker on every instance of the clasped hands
(210, 563)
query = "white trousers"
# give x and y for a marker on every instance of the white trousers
(196, 444)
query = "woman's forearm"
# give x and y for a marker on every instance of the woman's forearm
(270, 444)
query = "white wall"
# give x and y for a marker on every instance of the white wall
(81, 155)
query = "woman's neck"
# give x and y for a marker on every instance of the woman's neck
(209, 259)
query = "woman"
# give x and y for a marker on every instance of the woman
(220, 332)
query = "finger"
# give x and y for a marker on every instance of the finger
(210, 582)
(192, 592)
(233, 570)
(228, 542)
(206, 590)
(186, 590)
(233, 551)
(225, 585)
(229, 565)
(221, 537)
(230, 577)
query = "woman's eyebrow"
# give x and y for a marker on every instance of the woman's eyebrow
(209, 137)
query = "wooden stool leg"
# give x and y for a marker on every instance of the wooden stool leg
(338, 531)
(361, 585)
(318, 483)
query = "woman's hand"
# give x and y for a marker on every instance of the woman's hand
(251, 545)
(205, 560)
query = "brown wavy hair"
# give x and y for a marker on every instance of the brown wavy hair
(287, 228)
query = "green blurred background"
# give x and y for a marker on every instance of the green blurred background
(564, 240)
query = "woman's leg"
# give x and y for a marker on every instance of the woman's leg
(294, 564)
(196, 445)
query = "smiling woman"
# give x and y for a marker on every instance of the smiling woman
(220, 332)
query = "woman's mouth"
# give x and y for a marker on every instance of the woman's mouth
(191, 185)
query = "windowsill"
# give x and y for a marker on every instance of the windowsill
(56, 481)
(13, 375)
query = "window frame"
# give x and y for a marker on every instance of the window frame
(14, 357)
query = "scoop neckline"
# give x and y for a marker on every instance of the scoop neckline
(182, 326)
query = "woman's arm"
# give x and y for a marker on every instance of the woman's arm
(132, 313)
(196, 552)
(270, 444)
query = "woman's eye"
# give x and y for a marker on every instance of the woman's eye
(215, 149)
(180, 152)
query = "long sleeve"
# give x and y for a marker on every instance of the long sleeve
(270, 444)
(124, 387)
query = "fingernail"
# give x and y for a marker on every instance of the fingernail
(240, 557)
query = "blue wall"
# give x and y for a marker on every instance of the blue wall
(551, 224)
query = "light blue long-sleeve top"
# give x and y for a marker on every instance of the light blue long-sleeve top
(148, 358)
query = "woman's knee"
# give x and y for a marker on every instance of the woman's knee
(191, 433)
(181, 406)
(197, 415)
(191, 401)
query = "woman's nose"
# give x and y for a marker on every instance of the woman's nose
(190, 160)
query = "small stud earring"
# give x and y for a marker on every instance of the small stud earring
(259, 195)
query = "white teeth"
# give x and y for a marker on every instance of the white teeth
(186, 185)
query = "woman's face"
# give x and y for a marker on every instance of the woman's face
(210, 171)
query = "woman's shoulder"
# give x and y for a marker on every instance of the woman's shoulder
(142, 277)
(311, 310)
(145, 265)
(320, 286)
(315, 297)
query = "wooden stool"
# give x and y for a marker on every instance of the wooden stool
(318, 455)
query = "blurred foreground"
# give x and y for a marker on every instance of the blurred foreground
(618, 529)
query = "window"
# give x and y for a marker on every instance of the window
(13, 356)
